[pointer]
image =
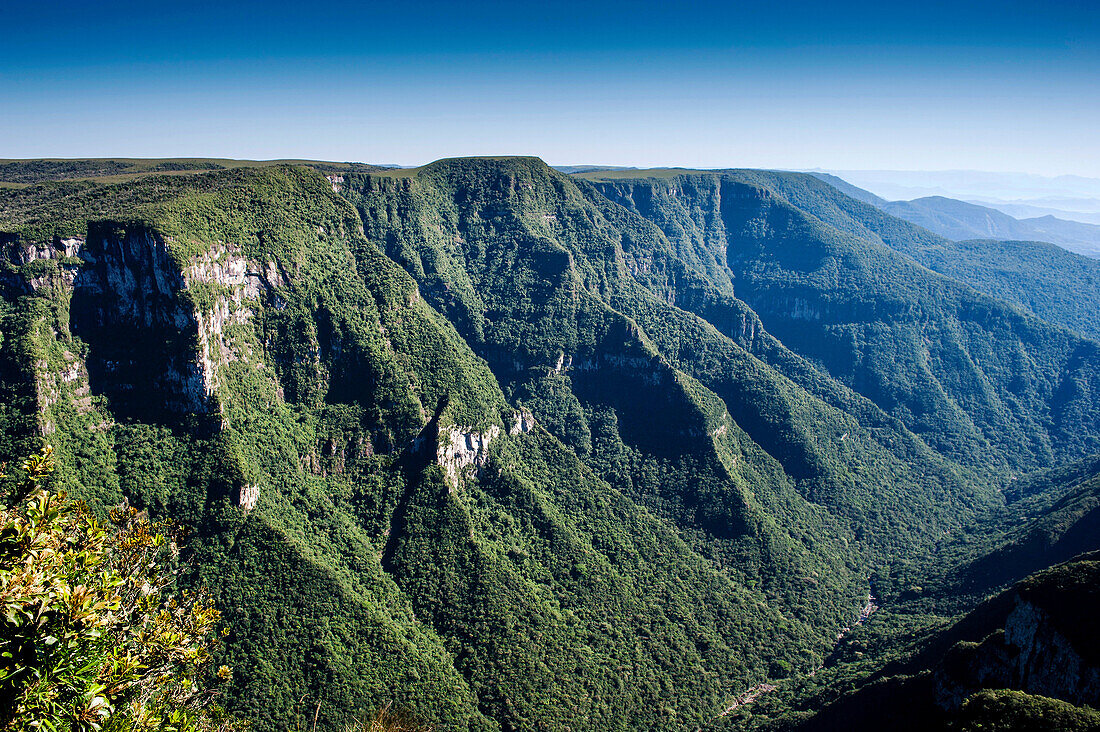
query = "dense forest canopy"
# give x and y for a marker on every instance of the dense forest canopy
(505, 448)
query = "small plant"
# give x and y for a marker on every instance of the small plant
(387, 719)
(93, 634)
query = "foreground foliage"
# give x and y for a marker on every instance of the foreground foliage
(93, 635)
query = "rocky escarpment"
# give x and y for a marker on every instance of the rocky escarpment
(142, 321)
(149, 323)
(134, 322)
(462, 450)
(1044, 648)
(1048, 664)
(28, 266)
(140, 333)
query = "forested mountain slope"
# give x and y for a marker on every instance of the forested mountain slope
(935, 655)
(975, 378)
(1049, 517)
(511, 449)
(1058, 285)
(478, 234)
(1053, 283)
(16, 173)
(1025, 659)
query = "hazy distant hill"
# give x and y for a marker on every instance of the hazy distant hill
(959, 220)
(570, 169)
(1083, 210)
(971, 184)
(955, 219)
(1073, 235)
(850, 190)
(976, 205)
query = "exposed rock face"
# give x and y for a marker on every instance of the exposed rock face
(1047, 663)
(52, 385)
(796, 308)
(460, 448)
(1030, 655)
(127, 304)
(132, 279)
(151, 326)
(229, 275)
(746, 333)
(248, 496)
(19, 253)
(522, 423)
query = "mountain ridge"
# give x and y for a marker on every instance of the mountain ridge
(958, 220)
(514, 448)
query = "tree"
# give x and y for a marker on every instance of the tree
(94, 634)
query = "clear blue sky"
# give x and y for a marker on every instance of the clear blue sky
(913, 85)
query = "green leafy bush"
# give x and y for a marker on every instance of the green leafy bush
(92, 634)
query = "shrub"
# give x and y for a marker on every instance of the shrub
(93, 633)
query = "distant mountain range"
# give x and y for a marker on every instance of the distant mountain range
(967, 184)
(960, 220)
(1064, 208)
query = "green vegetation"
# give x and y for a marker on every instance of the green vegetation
(1057, 285)
(94, 633)
(977, 380)
(1015, 711)
(28, 172)
(944, 638)
(748, 414)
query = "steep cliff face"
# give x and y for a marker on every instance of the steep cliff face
(463, 451)
(1025, 659)
(141, 334)
(1029, 654)
(461, 448)
(152, 369)
(1045, 646)
(1048, 664)
(151, 324)
(16, 252)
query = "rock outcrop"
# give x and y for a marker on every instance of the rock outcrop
(150, 322)
(1029, 654)
(250, 493)
(462, 448)
(522, 422)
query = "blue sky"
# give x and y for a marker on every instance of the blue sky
(1005, 86)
